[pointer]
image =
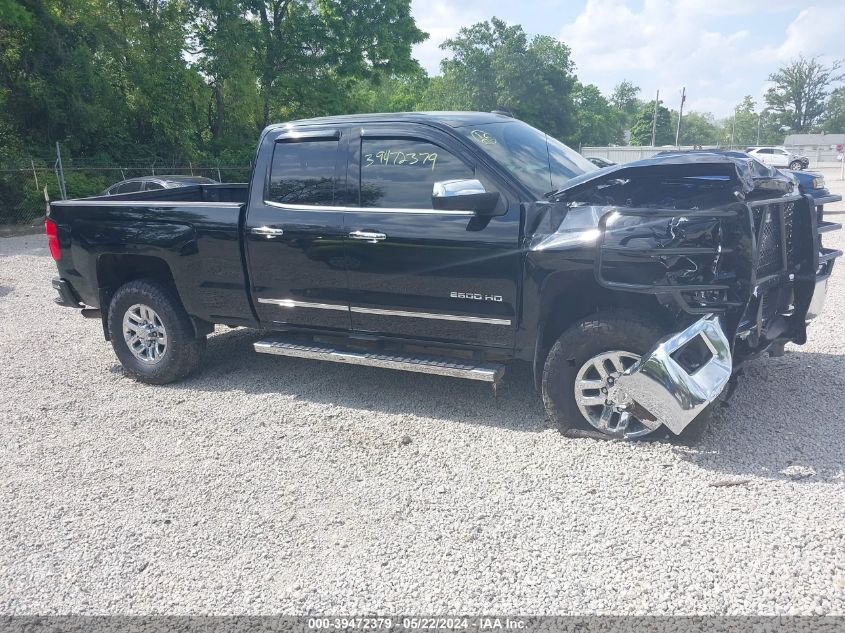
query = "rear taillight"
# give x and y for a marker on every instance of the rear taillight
(52, 232)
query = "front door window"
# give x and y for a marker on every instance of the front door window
(400, 173)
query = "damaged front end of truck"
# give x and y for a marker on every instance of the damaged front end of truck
(728, 247)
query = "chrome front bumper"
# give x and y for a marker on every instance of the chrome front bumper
(660, 386)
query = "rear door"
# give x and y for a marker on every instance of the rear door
(766, 155)
(294, 230)
(422, 273)
(781, 158)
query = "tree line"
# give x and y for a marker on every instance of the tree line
(179, 81)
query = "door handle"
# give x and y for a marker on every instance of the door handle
(371, 237)
(267, 231)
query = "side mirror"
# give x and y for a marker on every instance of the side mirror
(463, 195)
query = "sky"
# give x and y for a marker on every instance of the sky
(721, 50)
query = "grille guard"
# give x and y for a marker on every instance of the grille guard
(655, 251)
(660, 386)
(762, 271)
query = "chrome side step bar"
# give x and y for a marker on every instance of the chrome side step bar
(422, 363)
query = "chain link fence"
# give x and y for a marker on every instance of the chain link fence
(22, 188)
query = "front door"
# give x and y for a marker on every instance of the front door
(294, 232)
(422, 273)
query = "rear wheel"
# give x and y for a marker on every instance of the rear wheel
(581, 371)
(151, 333)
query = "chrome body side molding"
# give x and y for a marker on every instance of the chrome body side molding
(432, 315)
(337, 209)
(292, 303)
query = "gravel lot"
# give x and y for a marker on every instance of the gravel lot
(272, 485)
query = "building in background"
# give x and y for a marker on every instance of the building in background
(819, 148)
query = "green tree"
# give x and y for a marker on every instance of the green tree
(492, 64)
(834, 119)
(743, 126)
(598, 123)
(642, 126)
(399, 93)
(626, 101)
(797, 100)
(309, 51)
(697, 128)
(160, 89)
(42, 91)
(104, 79)
(224, 42)
(169, 81)
(625, 98)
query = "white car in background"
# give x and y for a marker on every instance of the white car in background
(779, 157)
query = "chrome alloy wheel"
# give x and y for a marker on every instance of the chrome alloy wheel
(144, 333)
(600, 402)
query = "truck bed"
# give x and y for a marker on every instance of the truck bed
(194, 230)
(226, 192)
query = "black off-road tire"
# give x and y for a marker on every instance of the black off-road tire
(184, 349)
(601, 332)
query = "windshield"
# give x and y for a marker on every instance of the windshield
(539, 161)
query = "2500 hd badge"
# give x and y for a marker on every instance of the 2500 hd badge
(633, 292)
(475, 296)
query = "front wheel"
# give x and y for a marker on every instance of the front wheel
(151, 333)
(796, 165)
(582, 368)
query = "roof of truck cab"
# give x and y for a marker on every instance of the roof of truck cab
(452, 119)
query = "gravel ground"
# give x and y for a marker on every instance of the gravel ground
(271, 485)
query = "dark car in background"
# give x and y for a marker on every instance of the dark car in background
(812, 183)
(154, 183)
(600, 162)
(808, 182)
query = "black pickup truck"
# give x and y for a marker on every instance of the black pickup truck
(455, 243)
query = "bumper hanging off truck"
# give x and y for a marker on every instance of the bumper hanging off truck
(666, 387)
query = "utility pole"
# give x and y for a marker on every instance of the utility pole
(759, 118)
(60, 172)
(35, 174)
(680, 116)
(654, 120)
(733, 129)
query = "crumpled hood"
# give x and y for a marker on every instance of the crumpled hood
(686, 182)
(745, 172)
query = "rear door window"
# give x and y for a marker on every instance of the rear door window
(303, 172)
(129, 187)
